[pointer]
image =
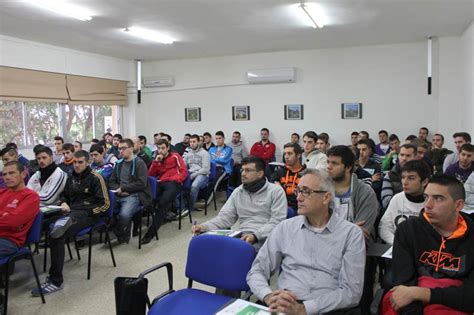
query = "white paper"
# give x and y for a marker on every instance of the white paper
(388, 253)
(240, 305)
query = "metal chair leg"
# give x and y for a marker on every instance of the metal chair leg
(110, 247)
(77, 249)
(69, 249)
(90, 256)
(7, 278)
(45, 258)
(140, 232)
(37, 280)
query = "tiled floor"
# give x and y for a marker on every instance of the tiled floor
(96, 296)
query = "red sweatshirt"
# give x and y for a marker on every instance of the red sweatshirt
(266, 152)
(18, 210)
(171, 168)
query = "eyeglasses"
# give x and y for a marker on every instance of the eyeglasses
(307, 192)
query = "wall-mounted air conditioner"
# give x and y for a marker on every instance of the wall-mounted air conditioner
(158, 82)
(275, 75)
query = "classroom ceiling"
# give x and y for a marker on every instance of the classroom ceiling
(205, 28)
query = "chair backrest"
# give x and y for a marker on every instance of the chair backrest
(153, 186)
(110, 211)
(34, 234)
(220, 261)
(291, 213)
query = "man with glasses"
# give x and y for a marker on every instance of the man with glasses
(319, 256)
(130, 181)
(84, 199)
(257, 204)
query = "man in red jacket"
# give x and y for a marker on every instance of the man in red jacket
(264, 149)
(18, 208)
(171, 170)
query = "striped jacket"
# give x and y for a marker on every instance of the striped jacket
(49, 192)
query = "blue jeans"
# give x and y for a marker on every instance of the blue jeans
(199, 182)
(128, 205)
(7, 248)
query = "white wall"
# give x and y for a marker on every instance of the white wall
(467, 48)
(25, 54)
(390, 81)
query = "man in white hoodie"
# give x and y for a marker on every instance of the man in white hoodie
(312, 157)
(198, 162)
(409, 202)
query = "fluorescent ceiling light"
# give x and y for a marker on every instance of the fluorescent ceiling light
(312, 14)
(63, 8)
(149, 35)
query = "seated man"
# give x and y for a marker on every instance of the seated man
(50, 180)
(68, 157)
(289, 176)
(114, 150)
(264, 149)
(171, 170)
(58, 150)
(108, 157)
(392, 182)
(433, 269)
(239, 151)
(138, 150)
(366, 150)
(438, 153)
(130, 181)
(464, 167)
(207, 141)
(143, 146)
(84, 199)
(409, 202)
(383, 147)
(257, 204)
(221, 155)
(182, 146)
(323, 144)
(319, 256)
(460, 138)
(312, 157)
(198, 163)
(98, 164)
(391, 158)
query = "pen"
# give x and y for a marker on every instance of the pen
(194, 226)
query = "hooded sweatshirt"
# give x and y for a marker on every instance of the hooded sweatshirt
(316, 160)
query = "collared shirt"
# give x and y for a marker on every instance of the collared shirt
(324, 269)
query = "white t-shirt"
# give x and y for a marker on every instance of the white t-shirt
(398, 211)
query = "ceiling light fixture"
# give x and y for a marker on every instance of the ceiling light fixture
(63, 8)
(312, 14)
(149, 35)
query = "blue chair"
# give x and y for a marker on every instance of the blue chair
(219, 261)
(34, 236)
(101, 225)
(291, 213)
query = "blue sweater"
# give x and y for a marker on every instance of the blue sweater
(222, 156)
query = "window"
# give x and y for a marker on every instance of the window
(31, 123)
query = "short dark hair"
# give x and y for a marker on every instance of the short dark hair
(107, 134)
(296, 134)
(467, 147)
(323, 136)
(393, 137)
(163, 141)
(20, 167)
(102, 143)
(12, 145)
(167, 136)
(82, 153)
(455, 187)
(440, 135)
(157, 134)
(365, 133)
(368, 142)
(237, 132)
(96, 148)
(464, 135)
(59, 138)
(296, 147)
(425, 129)
(68, 147)
(142, 138)
(384, 132)
(345, 153)
(220, 133)
(311, 134)
(195, 136)
(418, 166)
(411, 138)
(187, 135)
(80, 143)
(265, 129)
(206, 134)
(9, 150)
(354, 133)
(128, 142)
(259, 162)
(409, 146)
(40, 148)
(95, 140)
(118, 136)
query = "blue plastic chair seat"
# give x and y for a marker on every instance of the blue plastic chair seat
(86, 230)
(21, 251)
(189, 301)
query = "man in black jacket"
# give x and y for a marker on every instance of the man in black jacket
(84, 199)
(433, 264)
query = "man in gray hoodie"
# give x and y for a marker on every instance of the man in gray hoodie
(198, 162)
(357, 203)
(239, 151)
(257, 204)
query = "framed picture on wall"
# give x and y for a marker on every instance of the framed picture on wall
(192, 114)
(294, 112)
(240, 113)
(351, 110)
